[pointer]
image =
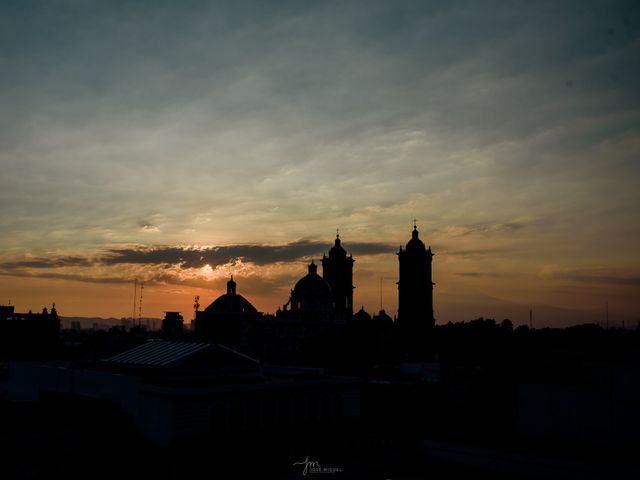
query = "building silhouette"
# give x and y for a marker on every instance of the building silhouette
(172, 325)
(227, 319)
(28, 335)
(415, 286)
(311, 299)
(320, 311)
(337, 271)
(205, 395)
(325, 299)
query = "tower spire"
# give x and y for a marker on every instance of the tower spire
(231, 286)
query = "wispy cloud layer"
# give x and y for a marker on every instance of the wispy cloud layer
(511, 132)
(602, 276)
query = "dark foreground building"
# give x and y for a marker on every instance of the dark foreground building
(209, 406)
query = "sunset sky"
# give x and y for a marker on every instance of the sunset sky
(181, 142)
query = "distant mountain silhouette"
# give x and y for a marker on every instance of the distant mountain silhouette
(474, 304)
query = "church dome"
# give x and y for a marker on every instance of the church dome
(383, 318)
(361, 316)
(231, 302)
(312, 284)
(415, 244)
(311, 297)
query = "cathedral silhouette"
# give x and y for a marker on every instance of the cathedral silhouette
(322, 305)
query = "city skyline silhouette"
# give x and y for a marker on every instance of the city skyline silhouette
(345, 239)
(260, 129)
(159, 267)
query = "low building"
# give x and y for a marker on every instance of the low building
(177, 391)
(28, 335)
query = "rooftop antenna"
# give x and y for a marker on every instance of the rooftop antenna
(135, 298)
(380, 293)
(196, 304)
(606, 312)
(530, 319)
(140, 306)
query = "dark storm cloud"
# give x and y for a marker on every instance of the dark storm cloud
(259, 254)
(184, 257)
(56, 262)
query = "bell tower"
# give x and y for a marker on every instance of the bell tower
(415, 285)
(337, 271)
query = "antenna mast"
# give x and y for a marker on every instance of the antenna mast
(135, 298)
(140, 306)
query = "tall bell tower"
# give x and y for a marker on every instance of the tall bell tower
(415, 285)
(337, 271)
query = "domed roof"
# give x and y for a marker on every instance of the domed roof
(361, 315)
(337, 250)
(415, 244)
(312, 283)
(382, 317)
(231, 302)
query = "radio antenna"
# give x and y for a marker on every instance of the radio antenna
(135, 299)
(140, 306)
